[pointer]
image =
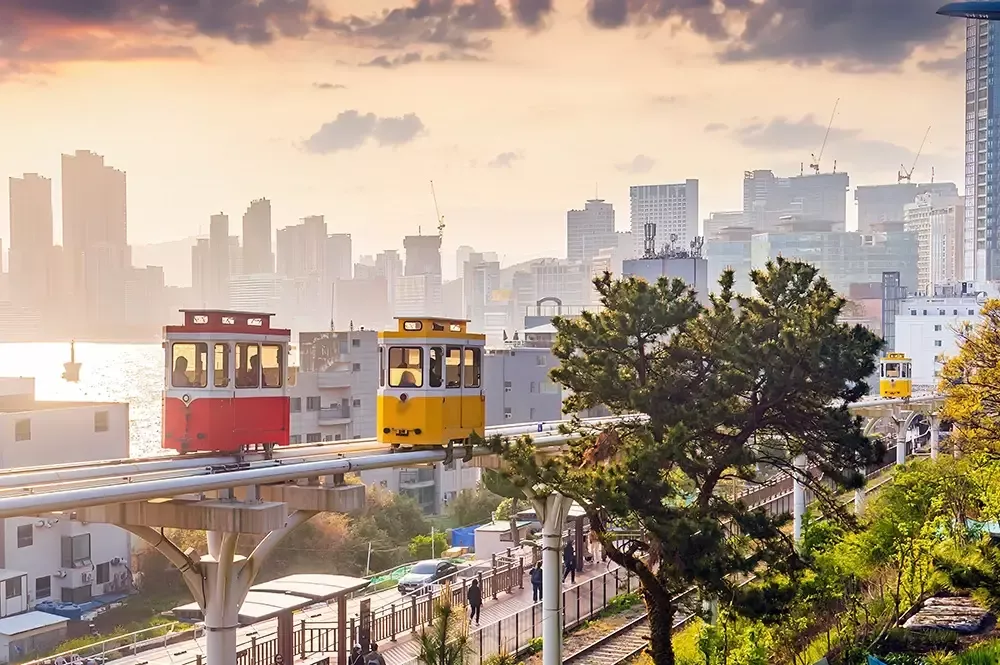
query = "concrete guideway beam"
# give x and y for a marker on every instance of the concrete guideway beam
(213, 515)
(219, 581)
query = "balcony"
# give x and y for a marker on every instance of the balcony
(416, 478)
(334, 415)
(335, 378)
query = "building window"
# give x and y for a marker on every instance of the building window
(25, 536)
(942, 312)
(913, 312)
(312, 404)
(533, 388)
(937, 327)
(314, 437)
(22, 430)
(103, 572)
(356, 367)
(972, 312)
(101, 421)
(531, 413)
(540, 360)
(937, 342)
(356, 343)
(337, 437)
(75, 550)
(12, 588)
(295, 438)
(296, 404)
(43, 587)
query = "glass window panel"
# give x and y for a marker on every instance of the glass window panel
(190, 364)
(406, 367)
(221, 365)
(247, 365)
(270, 363)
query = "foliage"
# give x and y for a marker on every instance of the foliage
(503, 510)
(472, 507)
(713, 381)
(446, 640)
(420, 546)
(534, 646)
(502, 658)
(971, 383)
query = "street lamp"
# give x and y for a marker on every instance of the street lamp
(985, 10)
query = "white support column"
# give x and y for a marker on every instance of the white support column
(552, 511)
(935, 425)
(859, 500)
(905, 420)
(214, 539)
(799, 497)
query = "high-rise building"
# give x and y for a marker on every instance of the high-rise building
(95, 237)
(423, 255)
(462, 255)
(886, 203)
(673, 209)
(938, 222)
(257, 256)
(981, 262)
(590, 230)
(302, 248)
(717, 222)
(479, 278)
(389, 266)
(339, 256)
(816, 196)
(201, 272)
(30, 238)
(218, 240)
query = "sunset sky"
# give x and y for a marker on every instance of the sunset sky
(517, 111)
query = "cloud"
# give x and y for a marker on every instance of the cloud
(504, 160)
(350, 130)
(948, 66)
(329, 86)
(412, 57)
(639, 164)
(387, 62)
(849, 34)
(849, 147)
(36, 34)
(713, 127)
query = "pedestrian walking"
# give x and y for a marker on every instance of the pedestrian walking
(569, 563)
(357, 658)
(475, 598)
(536, 582)
(374, 657)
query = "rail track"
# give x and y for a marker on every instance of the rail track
(620, 646)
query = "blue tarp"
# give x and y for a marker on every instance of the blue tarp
(76, 612)
(872, 660)
(464, 537)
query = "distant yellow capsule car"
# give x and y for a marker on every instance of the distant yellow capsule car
(430, 383)
(896, 376)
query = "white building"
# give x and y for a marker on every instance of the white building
(938, 223)
(589, 230)
(418, 295)
(57, 558)
(672, 208)
(926, 331)
(569, 281)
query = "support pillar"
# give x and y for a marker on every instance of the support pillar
(859, 501)
(552, 511)
(799, 497)
(935, 426)
(905, 420)
(342, 630)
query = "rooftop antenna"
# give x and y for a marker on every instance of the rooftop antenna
(816, 160)
(437, 213)
(649, 240)
(907, 175)
(932, 175)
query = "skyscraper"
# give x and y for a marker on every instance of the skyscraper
(302, 248)
(218, 235)
(257, 256)
(95, 239)
(590, 230)
(815, 196)
(30, 238)
(982, 153)
(673, 209)
(887, 203)
(423, 255)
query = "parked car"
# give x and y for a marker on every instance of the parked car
(425, 575)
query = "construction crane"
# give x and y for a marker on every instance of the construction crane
(905, 175)
(816, 160)
(437, 213)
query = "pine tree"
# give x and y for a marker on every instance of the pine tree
(743, 382)
(446, 640)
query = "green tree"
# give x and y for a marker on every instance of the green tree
(712, 381)
(446, 641)
(420, 546)
(472, 507)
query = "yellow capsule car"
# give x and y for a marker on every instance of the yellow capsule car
(896, 376)
(430, 383)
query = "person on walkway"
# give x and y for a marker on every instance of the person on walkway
(357, 658)
(536, 582)
(569, 563)
(374, 657)
(475, 598)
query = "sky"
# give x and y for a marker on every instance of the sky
(518, 110)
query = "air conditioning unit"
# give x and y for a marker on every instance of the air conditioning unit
(61, 574)
(88, 578)
(117, 561)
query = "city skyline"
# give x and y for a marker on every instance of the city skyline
(200, 135)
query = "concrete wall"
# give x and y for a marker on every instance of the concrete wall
(518, 387)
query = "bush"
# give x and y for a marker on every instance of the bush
(420, 546)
